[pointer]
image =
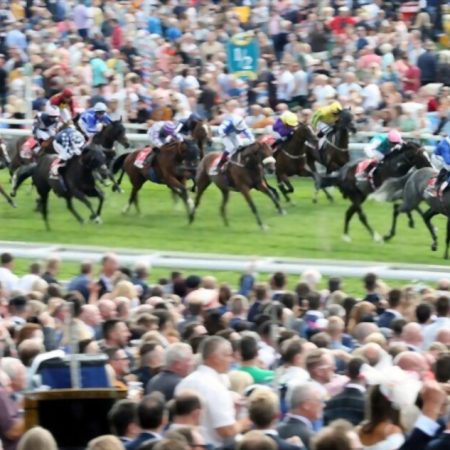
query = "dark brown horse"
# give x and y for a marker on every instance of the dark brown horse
(243, 172)
(394, 166)
(291, 159)
(202, 136)
(333, 153)
(170, 166)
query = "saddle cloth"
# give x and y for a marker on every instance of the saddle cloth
(26, 152)
(364, 165)
(213, 168)
(142, 155)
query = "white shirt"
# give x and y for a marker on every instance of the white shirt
(300, 83)
(323, 93)
(285, 85)
(218, 408)
(372, 96)
(431, 331)
(25, 284)
(8, 281)
(290, 375)
(344, 89)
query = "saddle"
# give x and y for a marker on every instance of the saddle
(437, 185)
(27, 149)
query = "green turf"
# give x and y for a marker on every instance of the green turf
(308, 230)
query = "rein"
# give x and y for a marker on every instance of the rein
(332, 144)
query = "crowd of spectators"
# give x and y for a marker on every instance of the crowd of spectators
(283, 364)
(154, 60)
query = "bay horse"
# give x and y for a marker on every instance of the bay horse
(244, 171)
(171, 166)
(202, 135)
(395, 165)
(414, 193)
(79, 182)
(291, 157)
(333, 153)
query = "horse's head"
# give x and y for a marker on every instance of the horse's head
(259, 153)
(95, 160)
(345, 121)
(190, 153)
(416, 154)
(114, 132)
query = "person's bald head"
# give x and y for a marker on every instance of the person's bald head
(443, 336)
(372, 352)
(412, 334)
(16, 371)
(364, 329)
(412, 362)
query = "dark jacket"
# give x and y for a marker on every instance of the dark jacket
(165, 382)
(440, 443)
(427, 63)
(349, 405)
(291, 426)
(385, 319)
(141, 438)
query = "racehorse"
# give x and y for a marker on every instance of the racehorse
(291, 159)
(5, 159)
(414, 193)
(333, 152)
(21, 166)
(243, 172)
(394, 165)
(108, 136)
(79, 182)
(202, 135)
(171, 166)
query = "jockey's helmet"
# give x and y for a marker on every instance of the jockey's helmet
(52, 111)
(289, 118)
(169, 128)
(100, 107)
(394, 136)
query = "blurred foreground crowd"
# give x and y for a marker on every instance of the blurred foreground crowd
(284, 364)
(156, 60)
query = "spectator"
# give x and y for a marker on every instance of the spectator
(8, 280)
(123, 420)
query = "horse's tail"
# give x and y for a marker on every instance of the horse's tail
(391, 189)
(118, 162)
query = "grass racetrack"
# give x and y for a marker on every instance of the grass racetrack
(307, 231)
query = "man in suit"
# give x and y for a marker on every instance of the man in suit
(263, 410)
(349, 404)
(306, 406)
(392, 313)
(122, 419)
(151, 414)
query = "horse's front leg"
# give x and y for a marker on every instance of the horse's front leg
(179, 188)
(83, 199)
(101, 198)
(268, 190)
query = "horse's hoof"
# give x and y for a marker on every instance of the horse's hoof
(98, 220)
(377, 237)
(264, 227)
(434, 246)
(282, 212)
(387, 238)
(125, 209)
(12, 203)
(118, 189)
(411, 225)
(346, 238)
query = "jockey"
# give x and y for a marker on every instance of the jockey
(68, 143)
(93, 120)
(382, 144)
(325, 118)
(186, 126)
(64, 101)
(45, 125)
(230, 130)
(285, 126)
(159, 133)
(441, 160)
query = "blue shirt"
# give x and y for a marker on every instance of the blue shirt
(154, 25)
(16, 39)
(443, 150)
(173, 33)
(90, 119)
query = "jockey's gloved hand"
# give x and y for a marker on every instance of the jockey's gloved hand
(99, 127)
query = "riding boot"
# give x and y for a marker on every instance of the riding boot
(151, 158)
(223, 160)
